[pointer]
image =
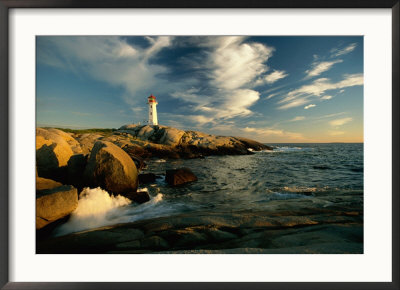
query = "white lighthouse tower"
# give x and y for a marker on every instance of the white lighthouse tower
(152, 110)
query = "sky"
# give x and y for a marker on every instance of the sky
(273, 89)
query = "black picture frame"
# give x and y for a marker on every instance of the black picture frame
(6, 5)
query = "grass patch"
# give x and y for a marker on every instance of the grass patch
(84, 131)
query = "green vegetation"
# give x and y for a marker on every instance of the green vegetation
(84, 131)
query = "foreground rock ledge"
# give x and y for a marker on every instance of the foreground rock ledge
(54, 202)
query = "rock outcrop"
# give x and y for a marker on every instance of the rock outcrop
(166, 142)
(53, 201)
(75, 146)
(175, 177)
(111, 168)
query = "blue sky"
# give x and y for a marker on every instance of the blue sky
(272, 89)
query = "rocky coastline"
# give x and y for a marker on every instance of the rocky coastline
(115, 160)
(112, 160)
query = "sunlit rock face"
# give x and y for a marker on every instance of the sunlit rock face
(53, 201)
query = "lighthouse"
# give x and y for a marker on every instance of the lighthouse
(152, 110)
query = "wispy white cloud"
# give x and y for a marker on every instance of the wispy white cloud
(314, 90)
(320, 67)
(275, 76)
(298, 118)
(233, 67)
(109, 59)
(336, 133)
(310, 106)
(265, 132)
(340, 122)
(335, 52)
(327, 97)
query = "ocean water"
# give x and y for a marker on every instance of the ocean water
(232, 183)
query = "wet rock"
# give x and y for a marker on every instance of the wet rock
(111, 168)
(138, 196)
(179, 176)
(147, 178)
(54, 203)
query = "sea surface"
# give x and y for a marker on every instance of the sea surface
(233, 184)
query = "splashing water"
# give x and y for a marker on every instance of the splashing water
(95, 209)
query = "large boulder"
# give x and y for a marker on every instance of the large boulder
(175, 177)
(111, 168)
(171, 136)
(54, 202)
(75, 146)
(52, 154)
(45, 183)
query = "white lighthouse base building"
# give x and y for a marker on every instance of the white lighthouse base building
(152, 102)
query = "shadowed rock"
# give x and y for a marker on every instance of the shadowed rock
(76, 168)
(147, 178)
(111, 168)
(52, 155)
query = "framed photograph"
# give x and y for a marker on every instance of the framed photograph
(207, 145)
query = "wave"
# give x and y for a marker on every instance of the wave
(96, 208)
(286, 149)
(281, 196)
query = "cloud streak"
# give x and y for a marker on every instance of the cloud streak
(275, 76)
(109, 59)
(320, 67)
(316, 89)
(340, 122)
(339, 52)
(310, 106)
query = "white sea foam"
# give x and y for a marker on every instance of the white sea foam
(96, 208)
(160, 160)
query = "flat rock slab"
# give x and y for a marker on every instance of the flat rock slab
(208, 233)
